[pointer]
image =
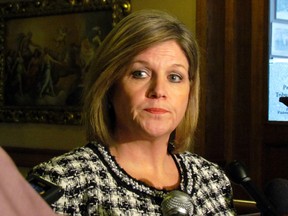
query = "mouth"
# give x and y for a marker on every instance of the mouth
(156, 110)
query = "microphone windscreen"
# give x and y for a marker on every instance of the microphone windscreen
(177, 203)
(277, 192)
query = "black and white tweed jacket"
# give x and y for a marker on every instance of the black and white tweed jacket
(94, 184)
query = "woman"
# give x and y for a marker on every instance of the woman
(141, 110)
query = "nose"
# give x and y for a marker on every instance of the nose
(157, 88)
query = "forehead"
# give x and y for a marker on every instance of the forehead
(170, 44)
(168, 51)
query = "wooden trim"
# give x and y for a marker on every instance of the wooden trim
(245, 207)
(29, 157)
(259, 59)
(201, 35)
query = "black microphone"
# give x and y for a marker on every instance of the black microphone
(177, 203)
(237, 173)
(277, 192)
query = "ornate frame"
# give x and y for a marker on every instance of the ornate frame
(14, 107)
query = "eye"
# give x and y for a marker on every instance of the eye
(139, 74)
(175, 78)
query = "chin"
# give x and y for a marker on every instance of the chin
(157, 133)
(158, 129)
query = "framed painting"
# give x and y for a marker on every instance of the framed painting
(45, 51)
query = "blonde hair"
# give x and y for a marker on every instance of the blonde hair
(133, 34)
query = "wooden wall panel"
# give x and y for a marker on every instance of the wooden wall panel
(234, 81)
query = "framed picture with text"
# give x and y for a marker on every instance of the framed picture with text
(279, 40)
(281, 11)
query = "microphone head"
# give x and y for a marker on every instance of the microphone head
(177, 203)
(236, 171)
(277, 192)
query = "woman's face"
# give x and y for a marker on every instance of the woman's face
(151, 98)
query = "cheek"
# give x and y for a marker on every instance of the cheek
(181, 101)
(182, 108)
(122, 100)
(181, 95)
(129, 92)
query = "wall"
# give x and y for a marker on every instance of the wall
(41, 136)
(67, 137)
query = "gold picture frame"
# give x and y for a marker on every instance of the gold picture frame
(45, 49)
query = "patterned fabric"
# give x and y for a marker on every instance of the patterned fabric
(94, 184)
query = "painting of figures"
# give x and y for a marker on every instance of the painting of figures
(46, 57)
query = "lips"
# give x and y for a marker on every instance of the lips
(156, 110)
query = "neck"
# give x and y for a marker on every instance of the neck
(141, 150)
(148, 162)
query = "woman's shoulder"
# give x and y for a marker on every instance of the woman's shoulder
(201, 171)
(197, 162)
(195, 158)
(70, 164)
(78, 154)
